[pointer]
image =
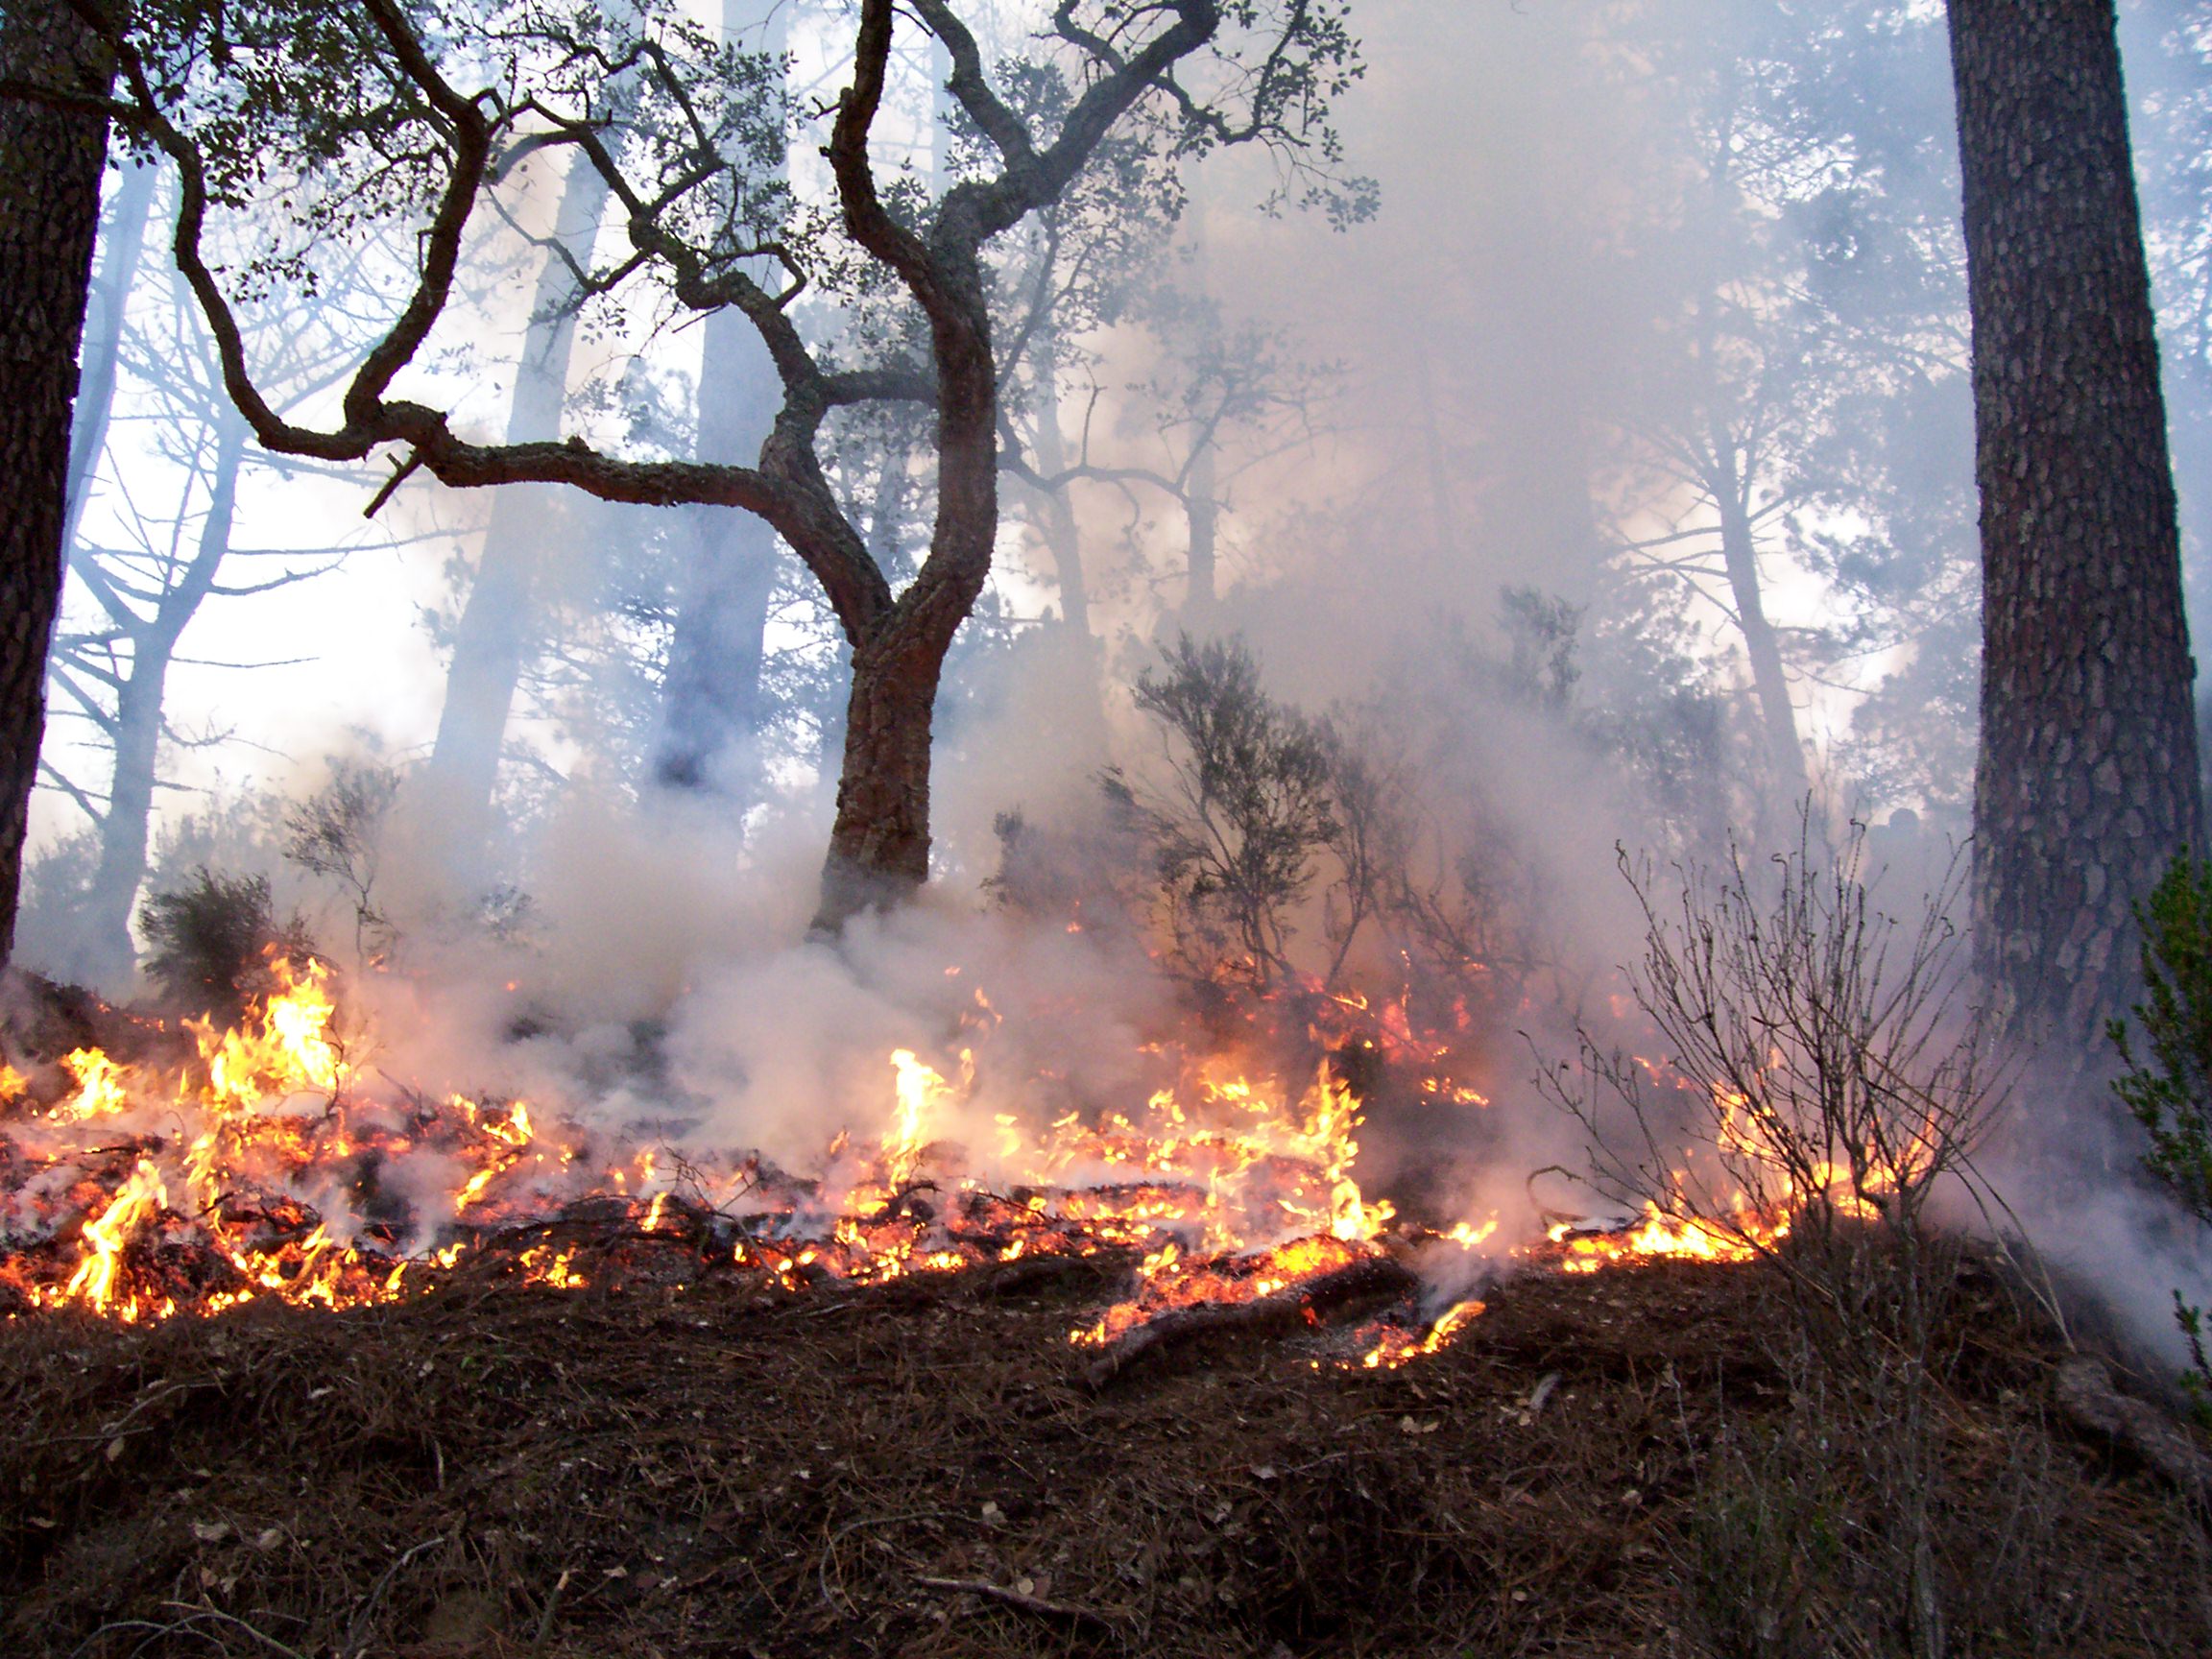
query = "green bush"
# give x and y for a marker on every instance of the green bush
(2170, 1089)
(210, 942)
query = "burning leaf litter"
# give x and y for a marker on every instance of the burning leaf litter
(264, 1163)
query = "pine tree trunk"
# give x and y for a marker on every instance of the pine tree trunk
(711, 708)
(50, 164)
(1063, 536)
(713, 704)
(1787, 783)
(1204, 517)
(2087, 780)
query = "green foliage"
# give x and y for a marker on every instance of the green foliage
(212, 941)
(335, 834)
(1250, 807)
(2169, 1091)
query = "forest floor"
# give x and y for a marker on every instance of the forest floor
(1606, 1464)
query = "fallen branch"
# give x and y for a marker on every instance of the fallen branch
(1378, 1279)
(2085, 1395)
(1015, 1598)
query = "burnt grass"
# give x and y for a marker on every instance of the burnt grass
(729, 1469)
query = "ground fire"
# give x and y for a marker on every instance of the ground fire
(221, 1165)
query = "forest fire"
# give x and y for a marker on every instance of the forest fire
(262, 1163)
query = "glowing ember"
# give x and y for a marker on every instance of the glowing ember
(1399, 1346)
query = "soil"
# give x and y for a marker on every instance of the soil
(1605, 1464)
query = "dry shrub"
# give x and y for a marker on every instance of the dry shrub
(1825, 1082)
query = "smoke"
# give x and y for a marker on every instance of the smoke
(1501, 345)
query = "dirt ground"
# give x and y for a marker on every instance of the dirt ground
(1603, 1464)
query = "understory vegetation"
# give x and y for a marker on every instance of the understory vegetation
(2169, 1089)
(1816, 1084)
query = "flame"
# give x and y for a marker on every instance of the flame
(99, 1087)
(1662, 1235)
(273, 1165)
(1399, 1346)
(98, 1284)
(921, 1095)
(288, 1051)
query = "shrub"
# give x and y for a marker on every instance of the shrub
(1248, 810)
(211, 940)
(1829, 1080)
(336, 833)
(2170, 1089)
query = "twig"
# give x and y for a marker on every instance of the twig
(830, 1598)
(545, 1619)
(350, 1648)
(198, 1615)
(399, 476)
(1015, 1598)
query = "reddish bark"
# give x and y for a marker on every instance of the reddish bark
(51, 160)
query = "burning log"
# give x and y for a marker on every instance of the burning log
(1347, 1292)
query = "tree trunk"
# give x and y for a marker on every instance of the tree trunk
(713, 704)
(106, 952)
(1204, 515)
(498, 625)
(1065, 686)
(711, 707)
(120, 249)
(1785, 754)
(48, 219)
(1063, 536)
(880, 842)
(2087, 780)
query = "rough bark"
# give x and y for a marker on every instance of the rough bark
(879, 839)
(50, 168)
(2087, 780)
(879, 843)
